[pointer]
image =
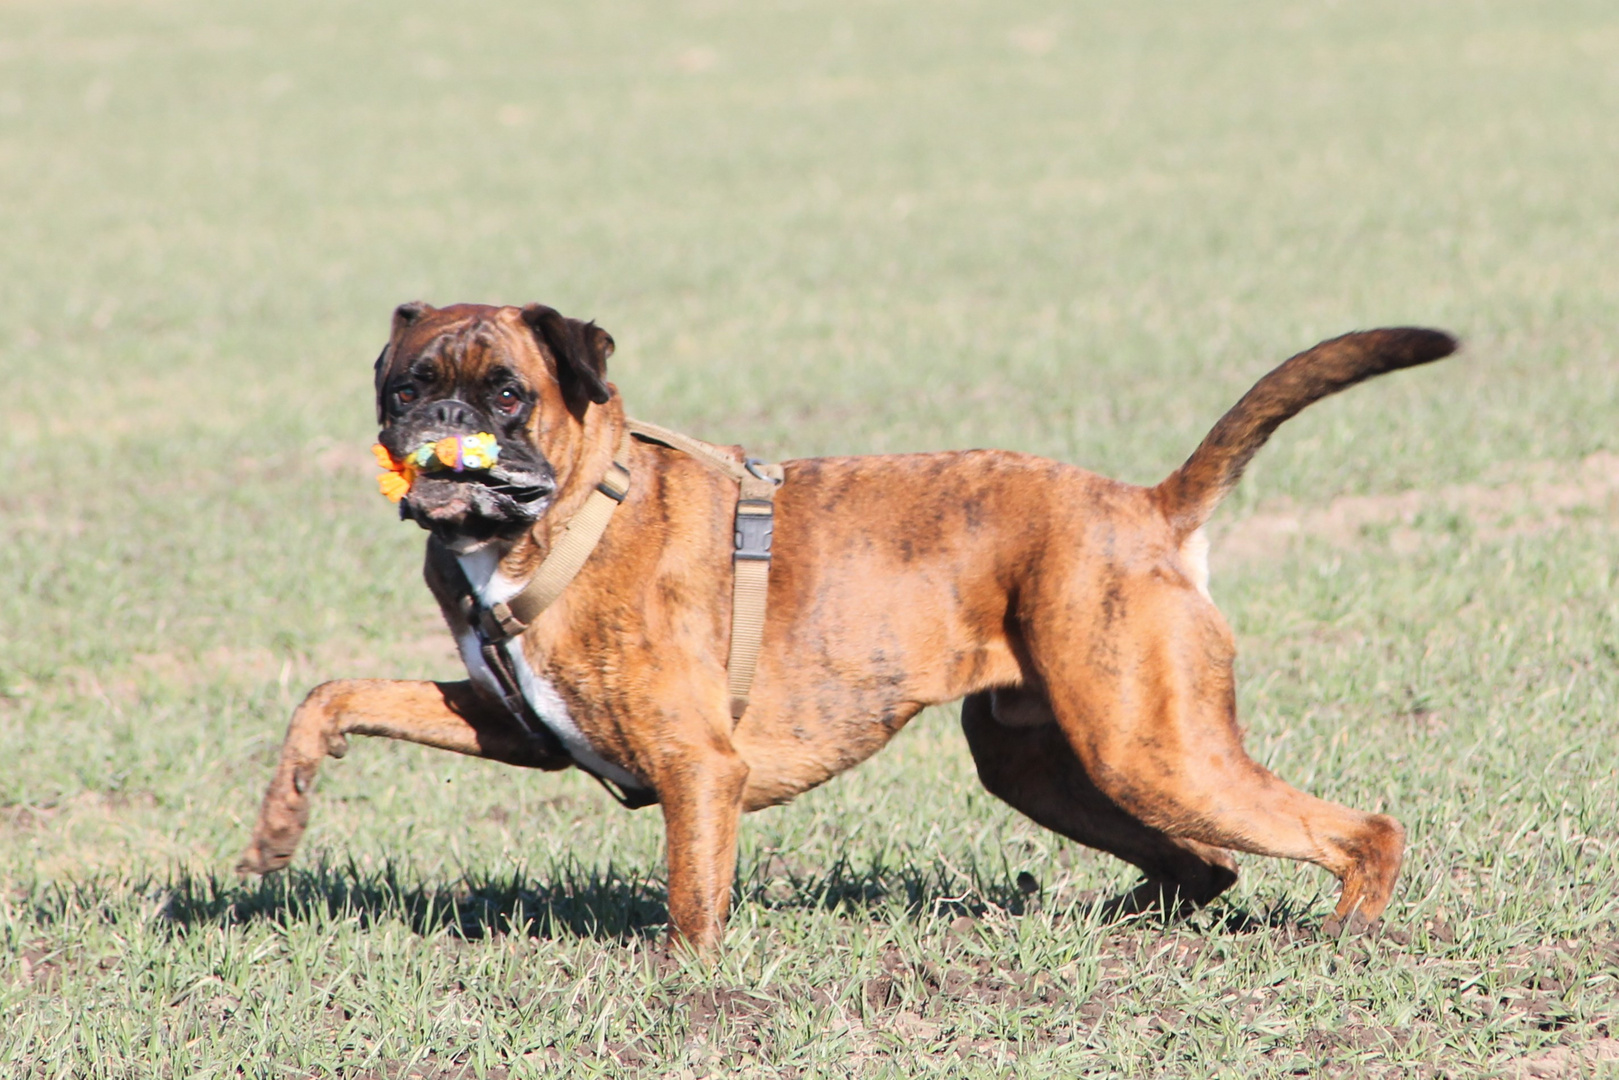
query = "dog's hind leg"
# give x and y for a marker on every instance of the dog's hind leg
(1150, 709)
(448, 716)
(1024, 759)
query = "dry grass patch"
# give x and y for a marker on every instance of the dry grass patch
(1516, 500)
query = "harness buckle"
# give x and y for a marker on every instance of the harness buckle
(497, 623)
(755, 526)
(616, 484)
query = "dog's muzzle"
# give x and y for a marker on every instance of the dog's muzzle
(475, 504)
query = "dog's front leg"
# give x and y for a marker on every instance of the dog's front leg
(448, 716)
(701, 795)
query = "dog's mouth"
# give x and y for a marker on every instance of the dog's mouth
(476, 504)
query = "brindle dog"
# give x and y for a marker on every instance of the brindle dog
(1071, 611)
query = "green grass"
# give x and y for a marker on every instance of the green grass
(1080, 230)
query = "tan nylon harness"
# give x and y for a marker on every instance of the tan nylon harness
(755, 522)
(755, 516)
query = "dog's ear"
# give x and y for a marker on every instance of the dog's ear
(581, 350)
(404, 315)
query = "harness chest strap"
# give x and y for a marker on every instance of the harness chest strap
(750, 589)
(502, 622)
(498, 624)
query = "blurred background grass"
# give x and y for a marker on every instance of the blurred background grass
(1080, 230)
(812, 228)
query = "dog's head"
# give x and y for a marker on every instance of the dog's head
(525, 375)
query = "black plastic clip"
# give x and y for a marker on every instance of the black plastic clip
(755, 525)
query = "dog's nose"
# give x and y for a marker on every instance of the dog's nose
(451, 413)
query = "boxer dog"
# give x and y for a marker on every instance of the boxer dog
(1070, 611)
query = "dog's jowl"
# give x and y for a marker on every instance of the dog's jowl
(715, 636)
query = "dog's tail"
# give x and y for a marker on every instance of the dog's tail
(1192, 491)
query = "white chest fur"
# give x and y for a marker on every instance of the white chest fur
(482, 569)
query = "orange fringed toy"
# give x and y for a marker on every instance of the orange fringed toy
(457, 452)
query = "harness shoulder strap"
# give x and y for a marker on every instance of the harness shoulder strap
(716, 458)
(568, 551)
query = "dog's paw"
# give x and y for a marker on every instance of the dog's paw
(255, 860)
(1354, 925)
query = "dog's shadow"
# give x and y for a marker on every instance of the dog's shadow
(574, 900)
(601, 902)
(605, 903)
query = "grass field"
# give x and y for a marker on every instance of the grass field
(1077, 229)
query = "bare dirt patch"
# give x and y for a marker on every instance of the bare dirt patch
(1584, 1059)
(1521, 500)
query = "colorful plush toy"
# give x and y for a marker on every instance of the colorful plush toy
(458, 452)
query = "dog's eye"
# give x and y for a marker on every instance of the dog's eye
(405, 394)
(509, 400)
